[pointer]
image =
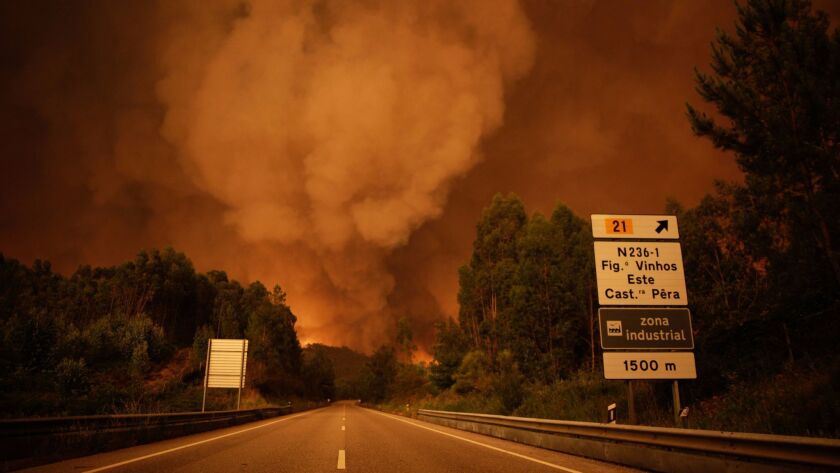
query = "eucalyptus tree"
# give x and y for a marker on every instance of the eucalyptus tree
(485, 284)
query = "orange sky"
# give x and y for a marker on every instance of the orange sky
(342, 150)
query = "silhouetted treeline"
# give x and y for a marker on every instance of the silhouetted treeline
(528, 312)
(761, 261)
(96, 341)
(348, 368)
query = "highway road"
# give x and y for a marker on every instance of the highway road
(341, 436)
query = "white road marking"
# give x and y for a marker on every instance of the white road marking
(342, 427)
(340, 460)
(144, 457)
(518, 455)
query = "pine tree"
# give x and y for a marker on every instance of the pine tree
(776, 89)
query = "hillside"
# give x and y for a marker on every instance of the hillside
(132, 337)
(348, 366)
(347, 363)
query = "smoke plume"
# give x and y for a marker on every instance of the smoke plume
(343, 149)
(302, 140)
(332, 130)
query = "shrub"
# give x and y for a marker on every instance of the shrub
(473, 375)
(508, 383)
(583, 397)
(72, 376)
(797, 401)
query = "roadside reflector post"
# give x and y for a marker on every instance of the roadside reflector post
(611, 417)
(684, 416)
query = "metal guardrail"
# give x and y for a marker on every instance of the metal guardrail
(29, 442)
(52, 425)
(662, 449)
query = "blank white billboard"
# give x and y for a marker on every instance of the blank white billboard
(227, 363)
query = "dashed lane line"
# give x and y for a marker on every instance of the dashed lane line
(340, 465)
(518, 455)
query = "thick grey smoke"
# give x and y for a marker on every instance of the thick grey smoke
(334, 129)
(343, 149)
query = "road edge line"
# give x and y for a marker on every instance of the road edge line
(518, 455)
(163, 452)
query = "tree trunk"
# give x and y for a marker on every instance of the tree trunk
(548, 316)
(826, 244)
(825, 234)
(494, 336)
(591, 327)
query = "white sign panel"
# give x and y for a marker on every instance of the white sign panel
(649, 365)
(654, 227)
(227, 363)
(640, 273)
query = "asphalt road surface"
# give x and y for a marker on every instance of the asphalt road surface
(342, 436)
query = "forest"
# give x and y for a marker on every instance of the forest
(762, 270)
(133, 338)
(760, 257)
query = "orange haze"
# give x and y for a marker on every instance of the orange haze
(341, 149)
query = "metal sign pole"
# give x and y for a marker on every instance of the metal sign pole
(631, 404)
(206, 373)
(677, 409)
(241, 375)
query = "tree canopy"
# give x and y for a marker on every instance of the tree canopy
(101, 333)
(775, 87)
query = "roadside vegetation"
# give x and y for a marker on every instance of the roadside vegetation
(762, 269)
(761, 266)
(133, 338)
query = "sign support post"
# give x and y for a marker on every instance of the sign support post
(206, 373)
(241, 375)
(631, 403)
(677, 409)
